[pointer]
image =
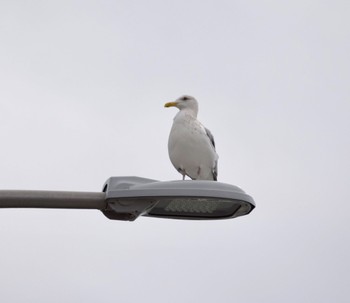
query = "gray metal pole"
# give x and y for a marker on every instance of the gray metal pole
(52, 199)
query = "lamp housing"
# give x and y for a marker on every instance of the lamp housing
(129, 197)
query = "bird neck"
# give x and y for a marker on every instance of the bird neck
(188, 112)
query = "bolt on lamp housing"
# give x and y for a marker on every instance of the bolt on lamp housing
(129, 197)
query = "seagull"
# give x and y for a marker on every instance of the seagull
(191, 146)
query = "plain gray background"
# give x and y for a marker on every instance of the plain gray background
(83, 84)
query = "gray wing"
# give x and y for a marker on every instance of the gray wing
(211, 137)
(215, 171)
(215, 168)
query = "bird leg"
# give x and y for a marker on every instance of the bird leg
(198, 171)
(182, 172)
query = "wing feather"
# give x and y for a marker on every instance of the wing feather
(211, 137)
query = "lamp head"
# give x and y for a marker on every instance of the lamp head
(129, 197)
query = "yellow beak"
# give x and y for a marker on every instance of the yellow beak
(170, 104)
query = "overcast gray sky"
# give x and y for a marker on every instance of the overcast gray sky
(83, 84)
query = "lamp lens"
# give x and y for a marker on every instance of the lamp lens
(194, 207)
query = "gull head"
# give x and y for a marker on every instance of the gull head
(184, 102)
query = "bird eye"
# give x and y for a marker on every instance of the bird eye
(185, 98)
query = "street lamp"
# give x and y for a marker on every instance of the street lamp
(126, 198)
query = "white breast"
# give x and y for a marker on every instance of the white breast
(190, 149)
